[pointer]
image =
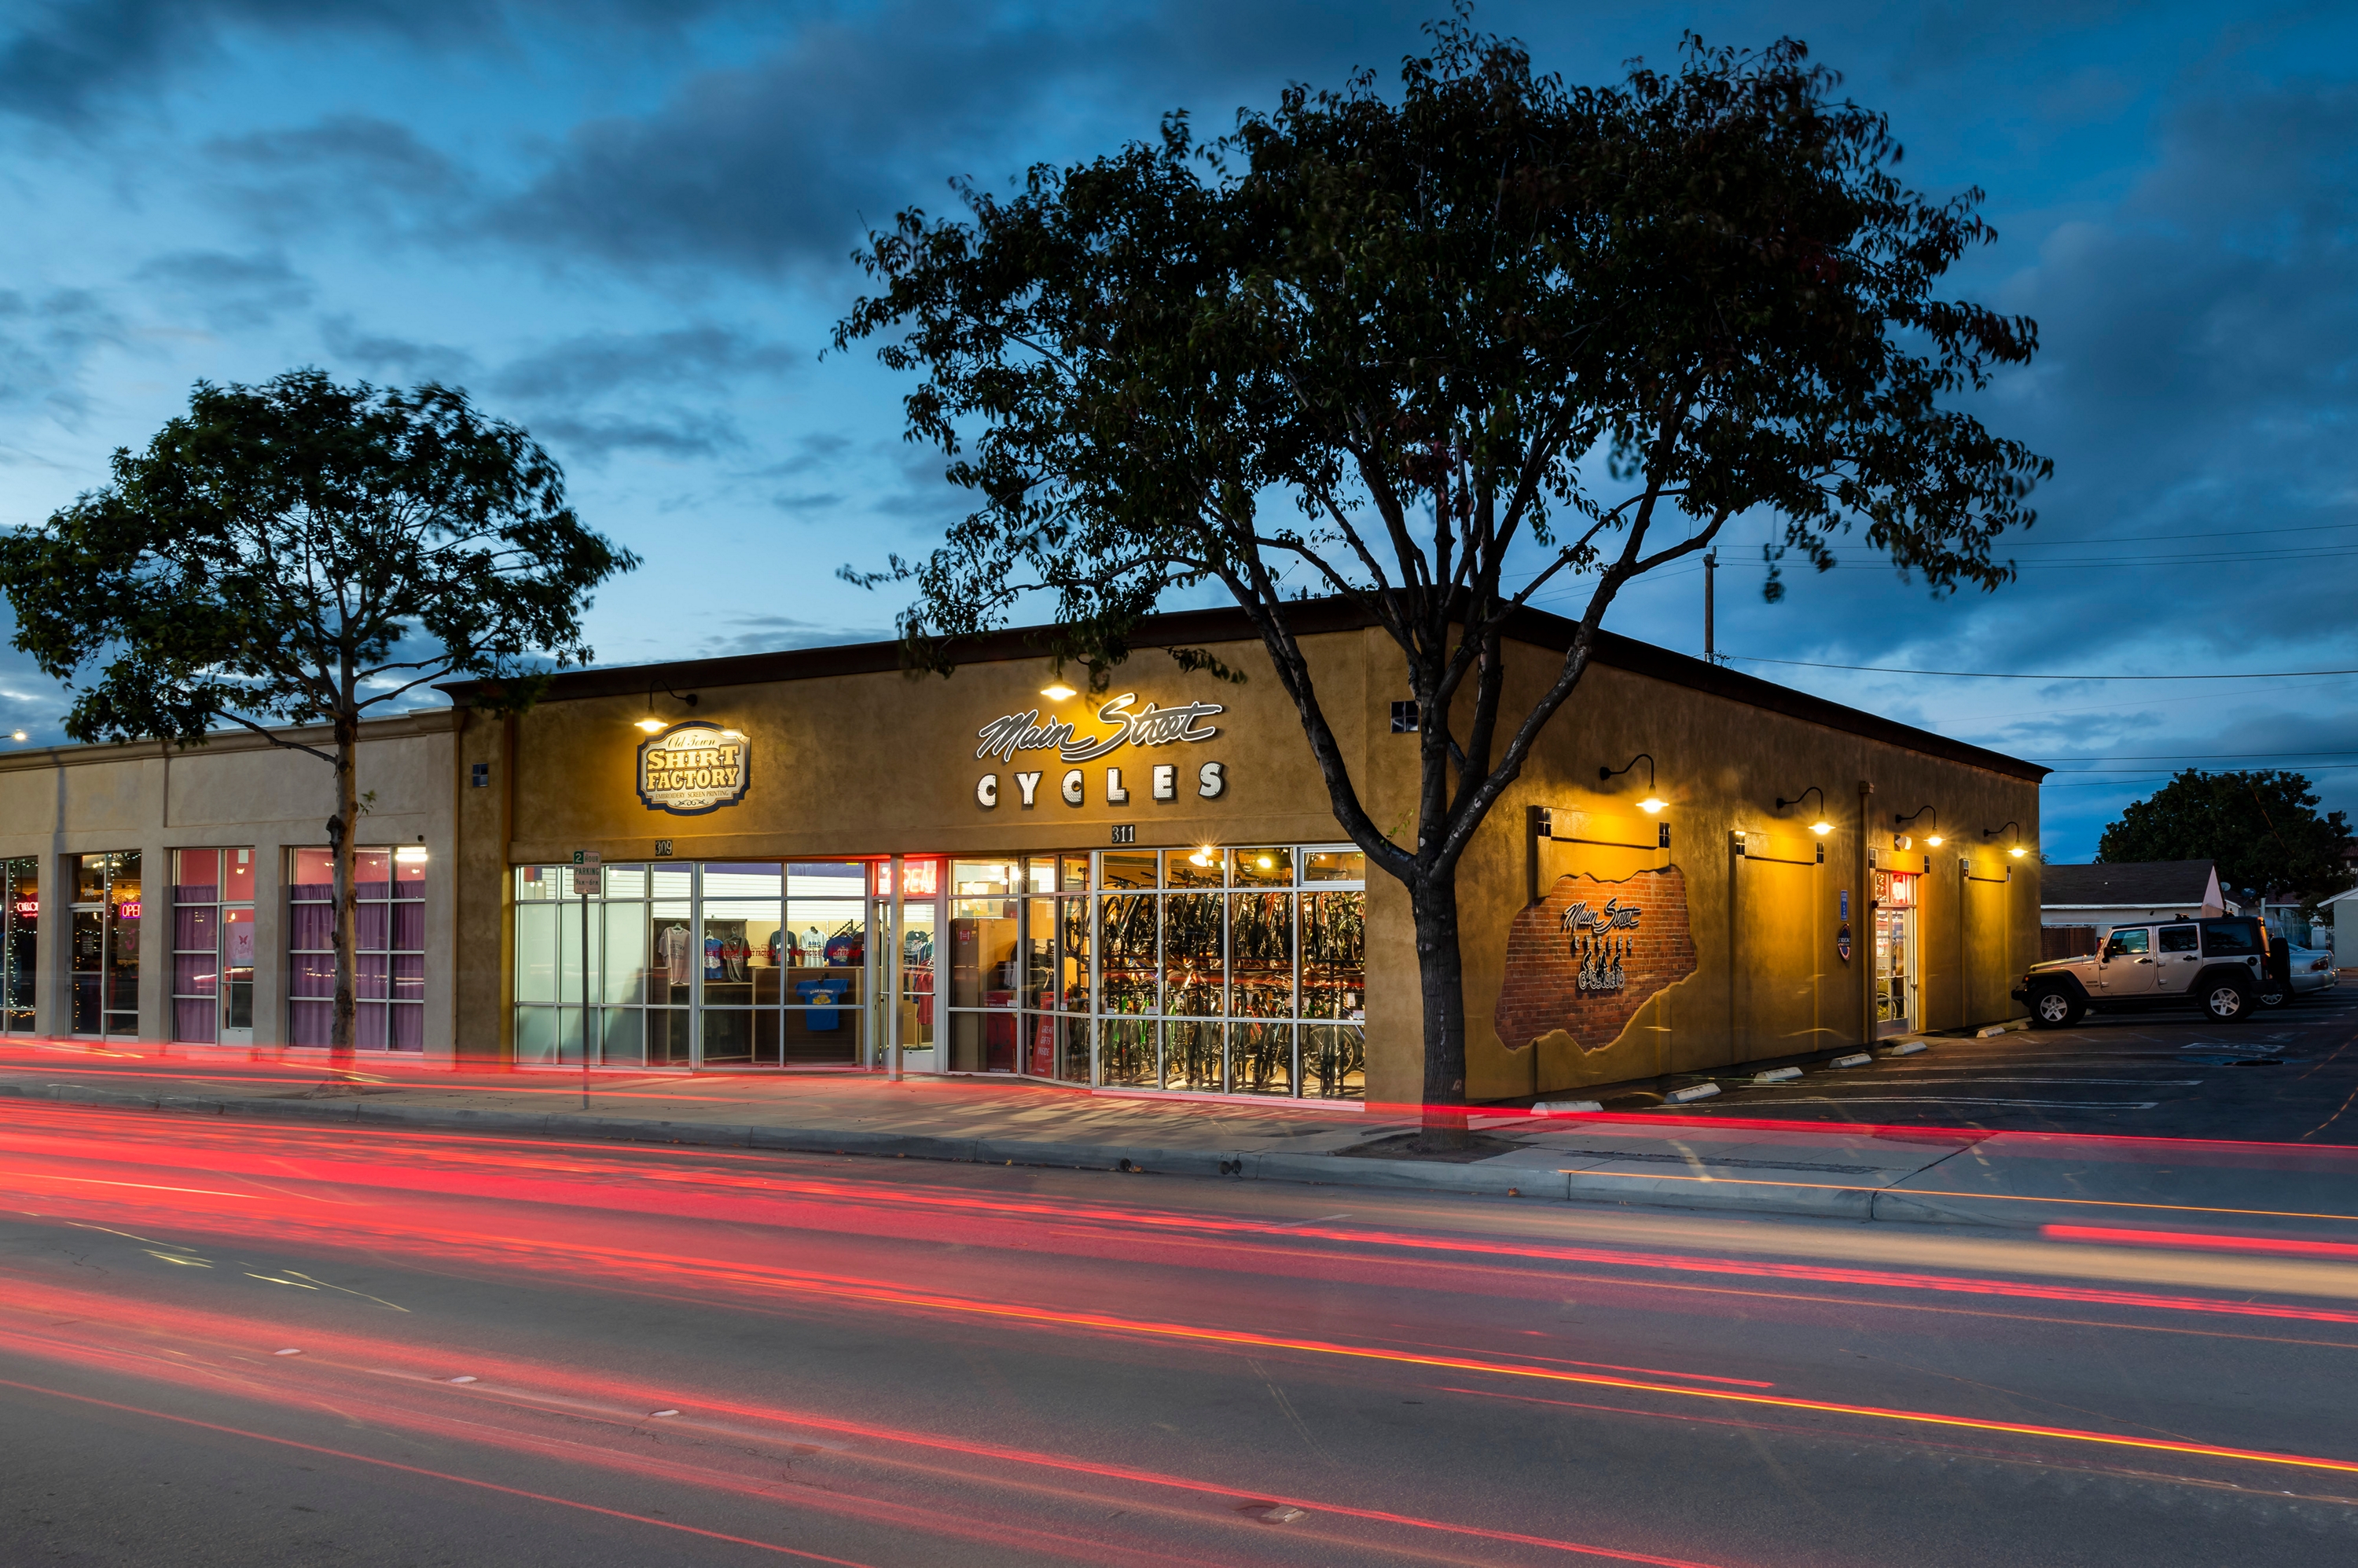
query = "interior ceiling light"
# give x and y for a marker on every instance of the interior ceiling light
(1202, 856)
(1266, 863)
(410, 853)
(1058, 692)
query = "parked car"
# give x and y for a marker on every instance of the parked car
(2222, 967)
(2287, 971)
(2312, 971)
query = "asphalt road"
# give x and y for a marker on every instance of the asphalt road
(2288, 1077)
(225, 1344)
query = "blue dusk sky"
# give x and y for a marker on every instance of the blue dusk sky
(626, 226)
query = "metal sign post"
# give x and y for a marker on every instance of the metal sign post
(892, 978)
(586, 878)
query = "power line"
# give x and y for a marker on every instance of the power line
(1994, 675)
(2165, 538)
(2145, 777)
(2189, 756)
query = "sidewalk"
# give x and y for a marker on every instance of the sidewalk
(1902, 1175)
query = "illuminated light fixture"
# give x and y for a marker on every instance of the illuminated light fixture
(1202, 856)
(1821, 826)
(1652, 803)
(410, 854)
(1266, 863)
(1058, 692)
(651, 723)
(2017, 851)
(1933, 837)
(18, 735)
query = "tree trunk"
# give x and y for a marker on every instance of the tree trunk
(343, 829)
(1440, 975)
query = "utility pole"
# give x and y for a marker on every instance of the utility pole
(1710, 565)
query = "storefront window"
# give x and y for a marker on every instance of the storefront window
(105, 954)
(213, 946)
(735, 964)
(1216, 970)
(1234, 977)
(20, 924)
(389, 984)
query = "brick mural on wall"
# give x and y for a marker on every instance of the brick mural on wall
(1583, 960)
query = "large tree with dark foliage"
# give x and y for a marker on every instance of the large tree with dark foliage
(303, 552)
(1438, 350)
(2262, 827)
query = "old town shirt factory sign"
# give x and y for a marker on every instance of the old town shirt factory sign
(1010, 736)
(694, 768)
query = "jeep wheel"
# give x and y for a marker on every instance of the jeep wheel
(2054, 1008)
(2227, 1002)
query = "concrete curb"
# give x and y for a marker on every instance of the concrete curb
(1491, 1178)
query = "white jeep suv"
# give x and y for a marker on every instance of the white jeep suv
(2221, 966)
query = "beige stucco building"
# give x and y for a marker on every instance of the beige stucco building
(160, 893)
(811, 860)
(1168, 906)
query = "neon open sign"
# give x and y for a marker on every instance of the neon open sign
(128, 909)
(27, 907)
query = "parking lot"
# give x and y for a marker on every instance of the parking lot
(2286, 1076)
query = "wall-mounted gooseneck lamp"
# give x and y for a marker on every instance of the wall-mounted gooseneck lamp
(1821, 826)
(2016, 850)
(1933, 837)
(1652, 803)
(651, 723)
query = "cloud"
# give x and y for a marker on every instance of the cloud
(231, 292)
(45, 345)
(768, 634)
(63, 62)
(591, 438)
(381, 355)
(600, 362)
(781, 165)
(347, 167)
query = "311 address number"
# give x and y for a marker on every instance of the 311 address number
(1126, 833)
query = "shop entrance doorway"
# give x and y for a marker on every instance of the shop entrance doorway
(1897, 989)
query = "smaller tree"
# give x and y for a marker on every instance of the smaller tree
(2262, 828)
(302, 553)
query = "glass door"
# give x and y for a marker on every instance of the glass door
(105, 945)
(212, 946)
(19, 947)
(1895, 953)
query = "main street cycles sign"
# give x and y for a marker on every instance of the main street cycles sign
(1148, 726)
(1591, 942)
(1011, 733)
(694, 768)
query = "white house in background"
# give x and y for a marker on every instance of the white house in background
(2076, 903)
(2335, 912)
